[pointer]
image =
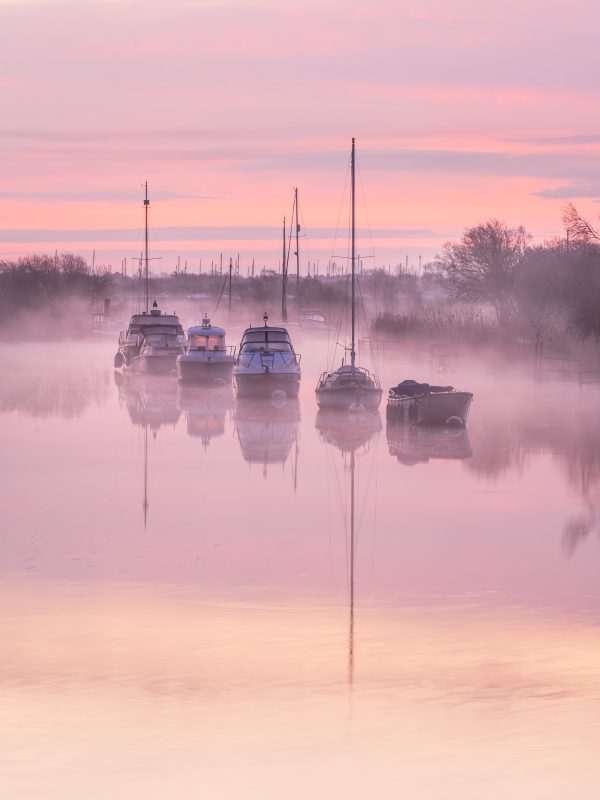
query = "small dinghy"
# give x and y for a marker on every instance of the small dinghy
(424, 404)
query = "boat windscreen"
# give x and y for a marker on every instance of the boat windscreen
(206, 342)
(162, 339)
(253, 347)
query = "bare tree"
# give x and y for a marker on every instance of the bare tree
(578, 228)
(483, 266)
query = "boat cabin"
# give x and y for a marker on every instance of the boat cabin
(206, 338)
(143, 325)
(266, 339)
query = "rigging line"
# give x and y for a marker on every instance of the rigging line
(220, 296)
(366, 210)
(331, 282)
(287, 257)
(343, 317)
(304, 235)
(337, 224)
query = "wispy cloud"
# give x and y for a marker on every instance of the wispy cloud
(571, 191)
(116, 196)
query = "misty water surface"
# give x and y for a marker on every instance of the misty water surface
(176, 586)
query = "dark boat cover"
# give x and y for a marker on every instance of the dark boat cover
(410, 388)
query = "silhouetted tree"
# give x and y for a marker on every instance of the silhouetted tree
(578, 229)
(483, 266)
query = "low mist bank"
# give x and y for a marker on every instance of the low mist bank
(490, 287)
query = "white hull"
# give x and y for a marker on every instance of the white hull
(348, 388)
(163, 364)
(267, 365)
(344, 399)
(216, 371)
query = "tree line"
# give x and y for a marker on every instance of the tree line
(556, 283)
(493, 277)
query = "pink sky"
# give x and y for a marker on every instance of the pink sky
(461, 113)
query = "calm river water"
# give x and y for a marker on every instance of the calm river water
(177, 587)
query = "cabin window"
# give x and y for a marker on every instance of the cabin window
(202, 343)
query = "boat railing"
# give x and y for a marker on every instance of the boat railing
(327, 377)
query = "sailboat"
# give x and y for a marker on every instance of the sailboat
(153, 340)
(350, 387)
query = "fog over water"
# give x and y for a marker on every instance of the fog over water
(177, 575)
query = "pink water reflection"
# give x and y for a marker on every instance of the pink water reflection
(176, 598)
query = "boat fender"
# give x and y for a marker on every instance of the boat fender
(278, 398)
(118, 359)
(127, 358)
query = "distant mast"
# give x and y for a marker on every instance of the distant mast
(146, 205)
(284, 280)
(353, 352)
(297, 246)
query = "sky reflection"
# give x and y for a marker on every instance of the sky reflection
(181, 591)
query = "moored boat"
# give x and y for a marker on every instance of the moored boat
(207, 359)
(424, 404)
(266, 365)
(151, 343)
(153, 340)
(350, 387)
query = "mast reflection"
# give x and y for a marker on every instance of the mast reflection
(351, 435)
(151, 403)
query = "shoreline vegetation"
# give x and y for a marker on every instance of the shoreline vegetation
(492, 286)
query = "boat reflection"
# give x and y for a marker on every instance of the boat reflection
(149, 400)
(347, 432)
(267, 430)
(205, 410)
(413, 444)
(151, 403)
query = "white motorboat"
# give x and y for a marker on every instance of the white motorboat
(151, 343)
(424, 404)
(207, 359)
(350, 387)
(153, 340)
(266, 365)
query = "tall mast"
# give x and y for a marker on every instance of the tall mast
(297, 247)
(146, 204)
(353, 350)
(284, 280)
